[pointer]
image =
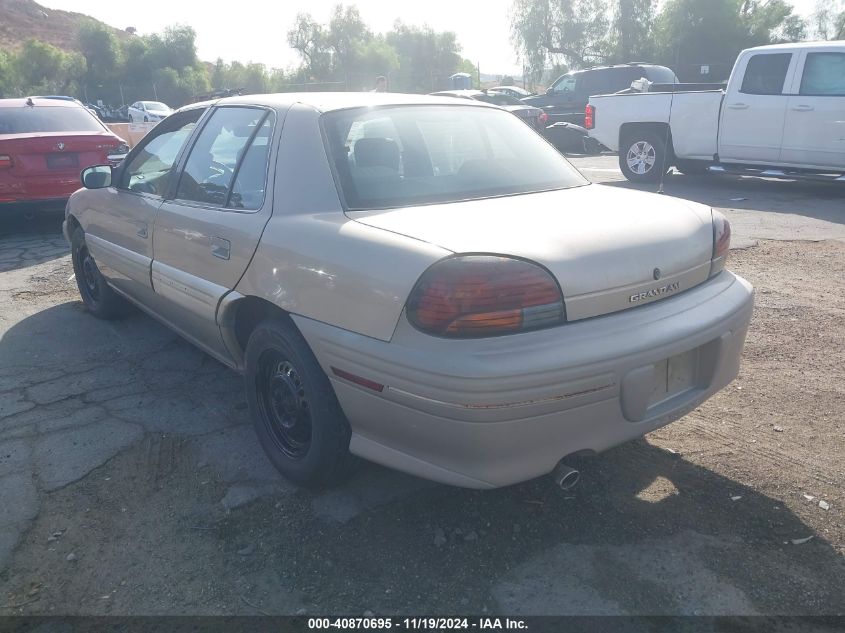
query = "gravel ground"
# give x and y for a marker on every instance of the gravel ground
(131, 483)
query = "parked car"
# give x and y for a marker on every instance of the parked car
(148, 111)
(419, 281)
(535, 117)
(567, 97)
(513, 91)
(782, 114)
(44, 144)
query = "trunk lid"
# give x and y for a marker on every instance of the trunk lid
(37, 154)
(609, 249)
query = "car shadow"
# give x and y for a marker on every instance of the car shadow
(818, 200)
(647, 531)
(26, 242)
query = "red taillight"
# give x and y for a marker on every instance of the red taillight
(590, 117)
(721, 242)
(5, 161)
(475, 296)
(543, 118)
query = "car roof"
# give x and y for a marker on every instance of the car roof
(840, 44)
(40, 102)
(330, 101)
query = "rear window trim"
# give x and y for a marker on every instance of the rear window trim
(468, 103)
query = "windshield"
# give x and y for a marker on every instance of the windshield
(29, 119)
(155, 105)
(411, 155)
(567, 83)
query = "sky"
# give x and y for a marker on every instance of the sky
(256, 30)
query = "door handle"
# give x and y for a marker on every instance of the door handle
(738, 106)
(803, 108)
(220, 248)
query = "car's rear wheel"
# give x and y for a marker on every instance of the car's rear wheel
(642, 157)
(297, 418)
(97, 296)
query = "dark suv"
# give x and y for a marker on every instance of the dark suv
(567, 97)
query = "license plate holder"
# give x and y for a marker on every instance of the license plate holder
(62, 161)
(673, 377)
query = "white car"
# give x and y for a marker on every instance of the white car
(148, 111)
(782, 115)
(420, 281)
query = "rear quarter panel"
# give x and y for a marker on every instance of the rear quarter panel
(316, 262)
(693, 116)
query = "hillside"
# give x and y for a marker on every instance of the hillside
(24, 19)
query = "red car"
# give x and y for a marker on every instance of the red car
(44, 144)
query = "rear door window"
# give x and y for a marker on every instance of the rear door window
(824, 75)
(766, 74)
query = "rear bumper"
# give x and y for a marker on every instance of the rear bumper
(494, 412)
(32, 206)
(38, 189)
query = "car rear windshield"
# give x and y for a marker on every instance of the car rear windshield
(34, 119)
(402, 156)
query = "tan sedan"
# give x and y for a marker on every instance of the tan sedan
(423, 282)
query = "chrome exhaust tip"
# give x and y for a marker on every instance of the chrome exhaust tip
(565, 477)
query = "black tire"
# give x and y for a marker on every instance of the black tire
(692, 167)
(97, 296)
(642, 156)
(297, 418)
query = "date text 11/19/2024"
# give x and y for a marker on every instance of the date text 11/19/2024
(417, 624)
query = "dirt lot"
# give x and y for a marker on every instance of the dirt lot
(130, 481)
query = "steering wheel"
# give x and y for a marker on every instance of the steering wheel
(223, 170)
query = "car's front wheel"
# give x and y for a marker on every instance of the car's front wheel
(98, 297)
(642, 157)
(297, 418)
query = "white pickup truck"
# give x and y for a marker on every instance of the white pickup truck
(782, 114)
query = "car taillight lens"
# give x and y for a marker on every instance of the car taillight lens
(477, 296)
(721, 242)
(590, 117)
(5, 161)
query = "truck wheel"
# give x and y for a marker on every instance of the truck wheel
(642, 157)
(98, 297)
(297, 418)
(692, 167)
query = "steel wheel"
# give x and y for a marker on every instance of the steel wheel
(284, 405)
(90, 274)
(641, 157)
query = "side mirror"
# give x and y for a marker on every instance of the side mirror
(97, 177)
(549, 91)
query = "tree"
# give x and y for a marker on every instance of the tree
(426, 57)
(574, 30)
(692, 33)
(39, 67)
(101, 50)
(307, 38)
(8, 76)
(345, 38)
(632, 33)
(829, 19)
